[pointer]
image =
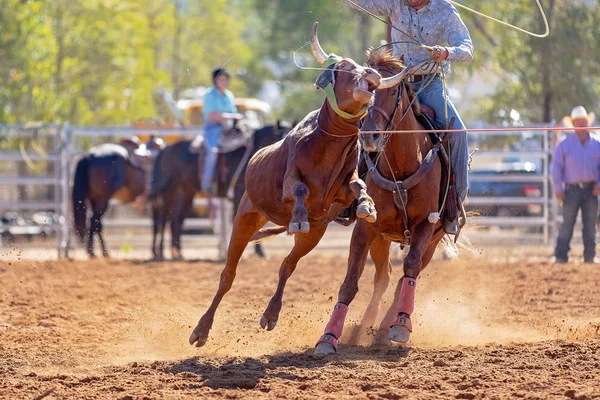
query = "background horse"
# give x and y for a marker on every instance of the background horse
(109, 171)
(175, 182)
(405, 186)
(302, 182)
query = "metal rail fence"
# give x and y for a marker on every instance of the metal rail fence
(57, 177)
(70, 142)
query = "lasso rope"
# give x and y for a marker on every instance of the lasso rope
(537, 35)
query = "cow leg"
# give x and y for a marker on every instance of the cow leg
(366, 207)
(247, 222)
(363, 236)
(401, 326)
(294, 190)
(380, 253)
(303, 244)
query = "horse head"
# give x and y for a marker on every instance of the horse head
(351, 85)
(387, 103)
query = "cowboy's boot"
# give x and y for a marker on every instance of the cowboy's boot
(451, 222)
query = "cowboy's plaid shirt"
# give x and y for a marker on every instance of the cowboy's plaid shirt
(436, 24)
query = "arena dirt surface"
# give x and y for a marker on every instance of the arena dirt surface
(118, 330)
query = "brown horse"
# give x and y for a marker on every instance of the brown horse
(302, 182)
(120, 171)
(405, 185)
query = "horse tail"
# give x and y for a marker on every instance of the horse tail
(79, 196)
(159, 178)
(267, 233)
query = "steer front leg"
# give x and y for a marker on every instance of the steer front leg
(366, 207)
(296, 191)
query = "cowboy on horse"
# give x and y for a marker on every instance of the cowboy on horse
(219, 109)
(433, 23)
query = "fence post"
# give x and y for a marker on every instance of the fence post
(224, 218)
(546, 186)
(65, 167)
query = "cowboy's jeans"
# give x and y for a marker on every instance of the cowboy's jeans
(431, 93)
(576, 198)
(212, 133)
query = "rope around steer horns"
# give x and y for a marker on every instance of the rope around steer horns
(326, 81)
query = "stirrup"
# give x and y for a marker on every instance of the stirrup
(451, 227)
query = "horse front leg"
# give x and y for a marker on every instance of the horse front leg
(365, 208)
(362, 238)
(296, 191)
(380, 254)
(401, 326)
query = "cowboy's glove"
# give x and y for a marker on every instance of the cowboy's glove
(439, 53)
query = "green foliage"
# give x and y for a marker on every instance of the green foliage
(97, 61)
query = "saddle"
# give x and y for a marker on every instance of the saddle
(141, 158)
(230, 140)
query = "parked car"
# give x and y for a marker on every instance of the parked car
(519, 189)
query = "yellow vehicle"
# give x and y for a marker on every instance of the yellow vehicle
(188, 113)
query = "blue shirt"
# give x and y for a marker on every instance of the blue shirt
(214, 101)
(576, 162)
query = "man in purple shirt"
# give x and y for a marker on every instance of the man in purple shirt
(576, 176)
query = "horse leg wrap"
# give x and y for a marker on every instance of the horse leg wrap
(333, 329)
(406, 303)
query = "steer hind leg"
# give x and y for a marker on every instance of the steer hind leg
(303, 244)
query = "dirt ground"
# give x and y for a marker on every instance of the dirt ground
(484, 328)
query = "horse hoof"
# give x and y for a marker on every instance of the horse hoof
(399, 334)
(381, 339)
(299, 227)
(324, 349)
(267, 323)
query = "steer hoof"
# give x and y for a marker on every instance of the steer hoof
(267, 323)
(367, 212)
(299, 227)
(199, 338)
(324, 349)
(399, 334)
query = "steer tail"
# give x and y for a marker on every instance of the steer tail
(267, 233)
(79, 196)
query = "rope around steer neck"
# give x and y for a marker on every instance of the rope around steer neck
(330, 95)
(328, 88)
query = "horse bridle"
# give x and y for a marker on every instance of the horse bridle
(373, 107)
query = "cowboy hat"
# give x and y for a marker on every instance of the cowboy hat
(578, 112)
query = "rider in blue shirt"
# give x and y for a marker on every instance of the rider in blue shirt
(218, 108)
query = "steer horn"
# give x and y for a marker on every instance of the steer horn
(317, 50)
(386, 83)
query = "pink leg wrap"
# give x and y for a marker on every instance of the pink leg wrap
(406, 300)
(336, 322)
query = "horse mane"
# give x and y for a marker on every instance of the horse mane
(384, 57)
